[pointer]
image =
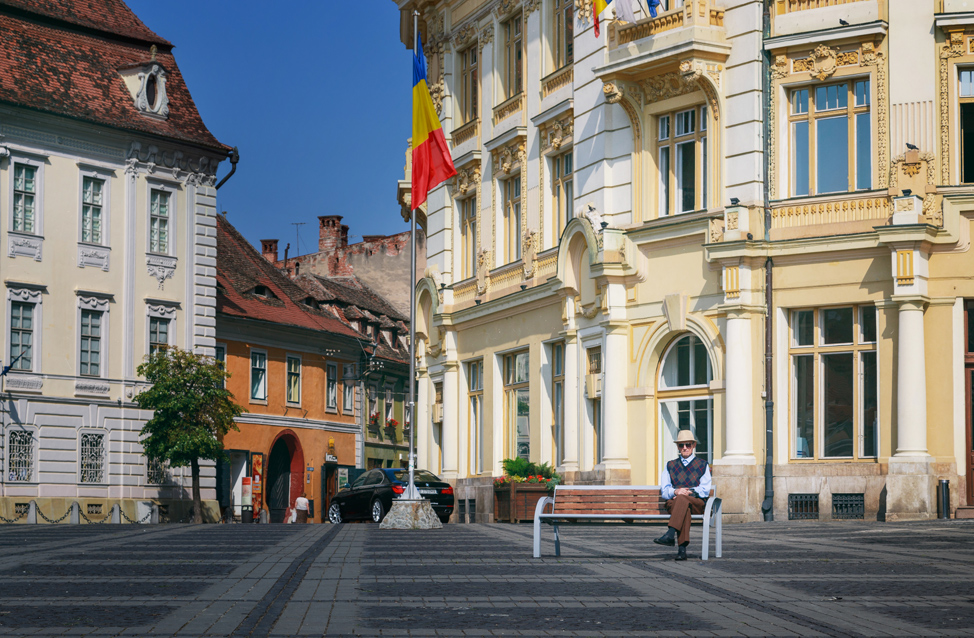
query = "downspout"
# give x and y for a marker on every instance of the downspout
(767, 507)
(234, 156)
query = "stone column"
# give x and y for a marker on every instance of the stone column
(451, 421)
(615, 421)
(572, 394)
(739, 398)
(911, 382)
(422, 418)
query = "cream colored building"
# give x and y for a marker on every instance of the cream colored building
(109, 237)
(598, 270)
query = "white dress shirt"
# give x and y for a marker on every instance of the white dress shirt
(702, 490)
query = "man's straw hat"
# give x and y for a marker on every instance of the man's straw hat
(685, 436)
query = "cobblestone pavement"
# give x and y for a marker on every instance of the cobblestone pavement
(777, 579)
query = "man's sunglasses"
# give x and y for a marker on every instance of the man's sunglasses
(683, 445)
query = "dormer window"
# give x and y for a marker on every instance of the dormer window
(262, 291)
(147, 84)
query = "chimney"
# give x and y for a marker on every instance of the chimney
(329, 232)
(344, 240)
(268, 247)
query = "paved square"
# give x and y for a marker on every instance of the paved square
(778, 579)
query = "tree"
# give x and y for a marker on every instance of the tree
(192, 409)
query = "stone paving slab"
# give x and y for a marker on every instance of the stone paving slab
(777, 579)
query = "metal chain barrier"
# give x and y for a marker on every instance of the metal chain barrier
(104, 520)
(144, 518)
(22, 515)
(53, 522)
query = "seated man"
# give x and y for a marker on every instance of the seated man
(685, 484)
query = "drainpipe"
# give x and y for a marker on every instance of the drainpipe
(234, 156)
(767, 507)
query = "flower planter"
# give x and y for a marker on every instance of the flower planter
(516, 502)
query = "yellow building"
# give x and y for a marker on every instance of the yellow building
(707, 220)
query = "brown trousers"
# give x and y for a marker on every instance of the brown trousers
(680, 509)
(303, 516)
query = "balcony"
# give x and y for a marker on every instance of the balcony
(831, 215)
(789, 6)
(804, 16)
(554, 81)
(465, 133)
(508, 108)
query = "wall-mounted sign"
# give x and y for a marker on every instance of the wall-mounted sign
(342, 477)
(311, 469)
(246, 496)
(257, 471)
(331, 458)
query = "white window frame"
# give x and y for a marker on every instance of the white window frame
(475, 393)
(94, 303)
(31, 295)
(349, 373)
(250, 376)
(160, 309)
(389, 405)
(173, 191)
(106, 442)
(217, 347)
(37, 162)
(105, 175)
(35, 447)
(287, 378)
(331, 386)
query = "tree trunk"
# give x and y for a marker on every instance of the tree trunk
(197, 500)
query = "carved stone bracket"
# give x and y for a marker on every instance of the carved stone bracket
(483, 271)
(200, 170)
(486, 37)
(464, 35)
(25, 246)
(467, 178)
(506, 7)
(94, 256)
(583, 9)
(510, 157)
(557, 132)
(716, 231)
(162, 268)
(916, 171)
(529, 252)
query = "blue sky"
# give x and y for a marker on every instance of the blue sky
(318, 101)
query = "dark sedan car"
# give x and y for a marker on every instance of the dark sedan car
(370, 496)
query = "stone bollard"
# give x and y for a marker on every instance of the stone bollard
(75, 514)
(32, 513)
(155, 514)
(116, 514)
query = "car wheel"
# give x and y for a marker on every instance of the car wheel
(378, 512)
(445, 519)
(335, 513)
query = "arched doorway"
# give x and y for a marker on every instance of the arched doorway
(285, 475)
(684, 396)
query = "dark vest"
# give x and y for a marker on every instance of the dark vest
(688, 476)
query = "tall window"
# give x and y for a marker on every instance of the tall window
(469, 85)
(159, 221)
(91, 210)
(158, 334)
(563, 191)
(258, 376)
(594, 357)
(25, 194)
(294, 380)
(389, 404)
(21, 335)
(475, 400)
(92, 458)
(682, 162)
(966, 94)
(564, 39)
(512, 219)
(684, 401)
(221, 357)
(332, 387)
(835, 391)
(513, 69)
(468, 237)
(20, 456)
(348, 388)
(91, 343)
(831, 138)
(517, 404)
(558, 400)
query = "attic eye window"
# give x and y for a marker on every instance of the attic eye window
(261, 291)
(150, 90)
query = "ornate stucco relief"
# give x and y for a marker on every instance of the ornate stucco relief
(952, 48)
(25, 246)
(94, 256)
(160, 267)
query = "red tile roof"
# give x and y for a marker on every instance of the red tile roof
(240, 268)
(63, 57)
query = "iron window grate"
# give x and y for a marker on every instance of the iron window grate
(461, 511)
(472, 510)
(802, 507)
(848, 507)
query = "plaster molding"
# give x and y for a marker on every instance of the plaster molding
(94, 256)
(160, 267)
(86, 386)
(24, 295)
(20, 245)
(24, 382)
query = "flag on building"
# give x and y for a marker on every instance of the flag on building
(653, 4)
(598, 6)
(624, 11)
(432, 162)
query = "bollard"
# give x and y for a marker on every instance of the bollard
(155, 514)
(75, 514)
(32, 513)
(116, 515)
(943, 498)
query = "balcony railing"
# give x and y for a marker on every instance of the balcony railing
(692, 13)
(547, 264)
(508, 108)
(788, 6)
(554, 81)
(507, 276)
(466, 132)
(812, 213)
(464, 292)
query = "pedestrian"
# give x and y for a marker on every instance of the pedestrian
(685, 483)
(301, 506)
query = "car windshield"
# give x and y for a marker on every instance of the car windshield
(420, 476)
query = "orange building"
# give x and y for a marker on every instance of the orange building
(296, 370)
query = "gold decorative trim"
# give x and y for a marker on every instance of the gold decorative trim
(466, 132)
(508, 108)
(952, 48)
(831, 212)
(732, 282)
(554, 81)
(904, 267)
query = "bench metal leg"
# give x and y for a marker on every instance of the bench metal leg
(719, 530)
(537, 537)
(705, 549)
(557, 541)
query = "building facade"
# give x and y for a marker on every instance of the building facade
(709, 220)
(108, 228)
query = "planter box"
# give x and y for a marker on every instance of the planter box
(516, 502)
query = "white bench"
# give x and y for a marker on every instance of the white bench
(617, 505)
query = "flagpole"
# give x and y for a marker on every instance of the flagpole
(411, 493)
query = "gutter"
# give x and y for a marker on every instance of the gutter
(234, 156)
(767, 506)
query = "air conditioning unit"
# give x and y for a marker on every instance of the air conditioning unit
(593, 385)
(437, 413)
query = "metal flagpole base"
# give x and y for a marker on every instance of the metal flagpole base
(411, 514)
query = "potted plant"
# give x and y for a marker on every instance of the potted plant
(391, 426)
(374, 423)
(517, 492)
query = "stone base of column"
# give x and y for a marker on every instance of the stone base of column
(618, 476)
(911, 489)
(411, 515)
(739, 482)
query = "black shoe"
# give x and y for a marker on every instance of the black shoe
(668, 539)
(681, 554)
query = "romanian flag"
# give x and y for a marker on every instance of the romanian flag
(432, 163)
(598, 6)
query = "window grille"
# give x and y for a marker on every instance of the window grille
(472, 510)
(94, 508)
(462, 511)
(21, 454)
(157, 472)
(92, 458)
(848, 507)
(21, 508)
(802, 507)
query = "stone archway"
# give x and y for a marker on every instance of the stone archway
(285, 475)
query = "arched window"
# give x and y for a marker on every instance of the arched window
(684, 396)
